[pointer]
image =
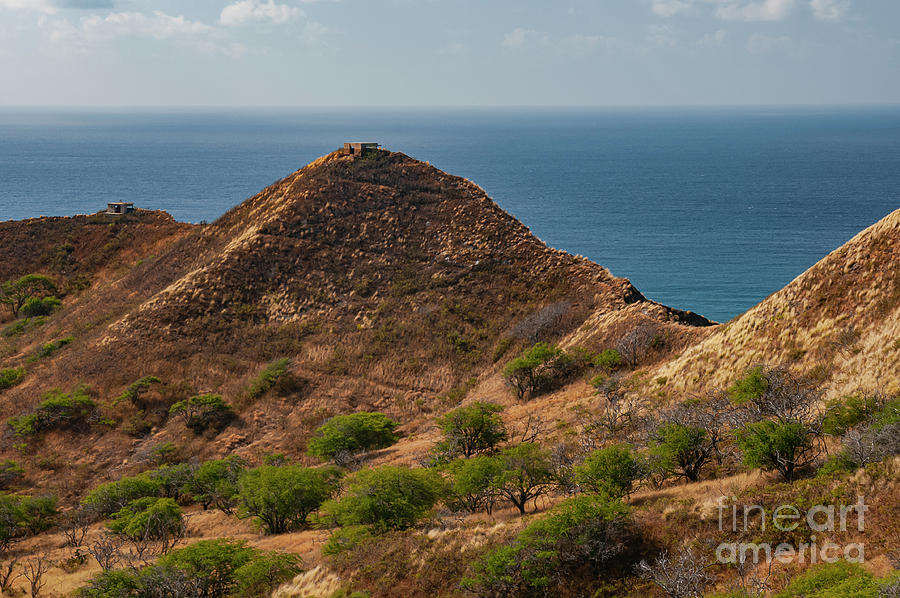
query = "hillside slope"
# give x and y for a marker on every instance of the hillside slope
(389, 285)
(838, 322)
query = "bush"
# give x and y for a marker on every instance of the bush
(36, 307)
(608, 360)
(842, 415)
(111, 584)
(16, 293)
(346, 538)
(609, 471)
(526, 473)
(770, 445)
(48, 349)
(22, 516)
(134, 392)
(110, 497)
(681, 449)
(149, 518)
(265, 572)
(58, 410)
(581, 533)
(204, 412)
(216, 483)
(749, 388)
(10, 472)
(173, 479)
(836, 580)
(470, 430)
(268, 378)
(537, 370)
(347, 434)
(472, 486)
(388, 498)
(10, 377)
(213, 563)
(282, 498)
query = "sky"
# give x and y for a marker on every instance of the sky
(359, 53)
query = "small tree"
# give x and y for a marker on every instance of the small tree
(150, 520)
(472, 483)
(682, 449)
(215, 483)
(472, 429)
(283, 497)
(634, 345)
(16, 293)
(353, 433)
(537, 369)
(133, 394)
(204, 412)
(609, 471)
(682, 576)
(110, 497)
(780, 446)
(212, 563)
(527, 474)
(388, 497)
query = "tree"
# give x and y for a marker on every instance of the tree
(15, 294)
(265, 572)
(173, 479)
(537, 369)
(348, 434)
(609, 471)
(204, 412)
(775, 392)
(773, 445)
(582, 533)
(472, 483)
(57, 410)
(527, 473)
(216, 483)
(213, 563)
(683, 576)
(634, 345)
(150, 520)
(135, 391)
(682, 449)
(388, 497)
(472, 429)
(283, 497)
(110, 497)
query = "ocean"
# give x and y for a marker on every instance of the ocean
(707, 209)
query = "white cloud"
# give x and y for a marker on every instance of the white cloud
(455, 49)
(716, 38)
(763, 44)
(829, 10)
(766, 10)
(670, 8)
(662, 35)
(519, 37)
(254, 11)
(36, 5)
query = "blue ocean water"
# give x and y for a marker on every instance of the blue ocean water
(703, 209)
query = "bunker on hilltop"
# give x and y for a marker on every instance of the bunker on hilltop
(357, 148)
(119, 208)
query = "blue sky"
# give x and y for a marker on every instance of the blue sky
(448, 52)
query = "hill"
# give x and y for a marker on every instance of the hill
(387, 283)
(837, 323)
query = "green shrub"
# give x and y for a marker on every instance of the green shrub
(173, 479)
(469, 430)
(48, 349)
(10, 472)
(353, 433)
(608, 360)
(537, 370)
(137, 389)
(16, 293)
(681, 449)
(346, 538)
(20, 327)
(268, 378)
(282, 498)
(609, 471)
(36, 307)
(108, 498)
(22, 516)
(837, 464)
(265, 572)
(835, 580)
(388, 497)
(115, 583)
(216, 483)
(9, 377)
(770, 445)
(750, 387)
(206, 412)
(472, 483)
(584, 532)
(841, 415)
(58, 410)
(149, 518)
